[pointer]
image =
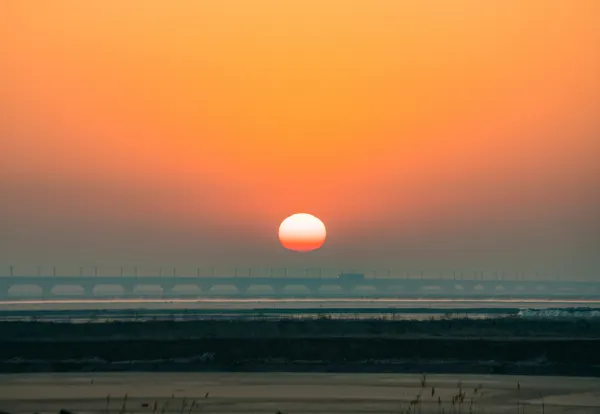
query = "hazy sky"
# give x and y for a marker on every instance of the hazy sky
(425, 134)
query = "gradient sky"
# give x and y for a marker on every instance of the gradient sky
(425, 134)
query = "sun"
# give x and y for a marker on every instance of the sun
(302, 232)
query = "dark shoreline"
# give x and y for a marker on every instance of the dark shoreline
(498, 346)
(191, 314)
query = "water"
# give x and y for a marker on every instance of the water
(83, 311)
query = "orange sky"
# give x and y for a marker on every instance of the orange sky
(405, 126)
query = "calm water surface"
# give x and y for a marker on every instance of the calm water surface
(190, 309)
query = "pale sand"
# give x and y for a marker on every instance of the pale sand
(445, 305)
(291, 393)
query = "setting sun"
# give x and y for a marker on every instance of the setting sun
(443, 134)
(302, 232)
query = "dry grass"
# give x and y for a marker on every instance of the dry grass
(462, 401)
(172, 405)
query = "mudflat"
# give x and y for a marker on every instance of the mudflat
(295, 393)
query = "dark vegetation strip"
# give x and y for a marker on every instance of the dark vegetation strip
(316, 328)
(265, 366)
(551, 357)
(545, 347)
(130, 313)
(333, 350)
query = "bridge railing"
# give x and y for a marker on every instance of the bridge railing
(278, 272)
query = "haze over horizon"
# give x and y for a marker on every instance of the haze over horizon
(434, 135)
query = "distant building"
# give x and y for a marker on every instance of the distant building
(351, 277)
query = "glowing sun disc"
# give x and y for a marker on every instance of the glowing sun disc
(302, 232)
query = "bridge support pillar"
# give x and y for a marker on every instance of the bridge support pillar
(205, 288)
(389, 289)
(348, 288)
(88, 289)
(242, 288)
(4, 287)
(167, 289)
(278, 288)
(46, 291)
(311, 289)
(128, 290)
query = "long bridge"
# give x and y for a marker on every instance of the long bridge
(354, 285)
